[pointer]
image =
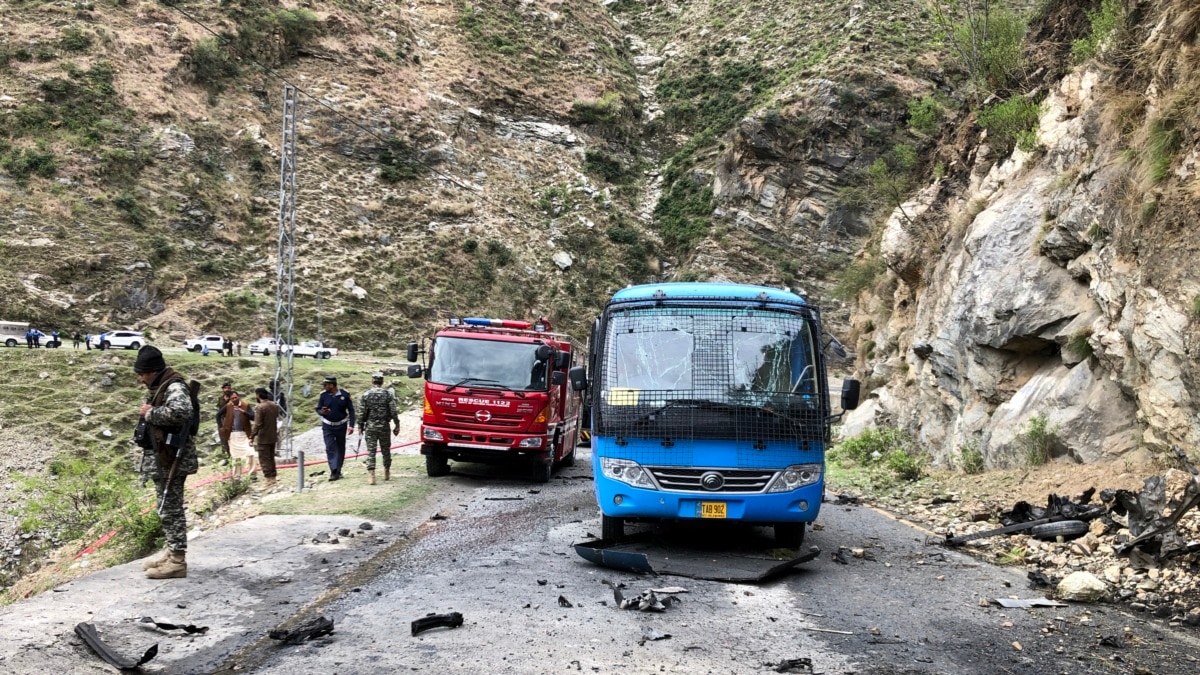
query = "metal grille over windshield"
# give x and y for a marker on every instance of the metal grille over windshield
(483, 364)
(711, 372)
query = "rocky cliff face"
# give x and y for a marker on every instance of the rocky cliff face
(1061, 288)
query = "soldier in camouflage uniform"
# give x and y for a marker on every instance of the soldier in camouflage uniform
(378, 407)
(168, 414)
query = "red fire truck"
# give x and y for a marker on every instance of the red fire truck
(497, 392)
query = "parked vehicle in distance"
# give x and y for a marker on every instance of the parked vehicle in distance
(315, 349)
(265, 346)
(12, 333)
(215, 343)
(119, 339)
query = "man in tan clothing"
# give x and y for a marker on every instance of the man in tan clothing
(265, 434)
(236, 426)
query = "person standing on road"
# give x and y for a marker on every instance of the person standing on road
(336, 409)
(378, 408)
(87, 342)
(168, 415)
(265, 434)
(75, 340)
(236, 427)
(222, 403)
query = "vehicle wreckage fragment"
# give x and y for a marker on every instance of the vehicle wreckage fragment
(309, 630)
(1024, 516)
(1152, 532)
(87, 632)
(429, 621)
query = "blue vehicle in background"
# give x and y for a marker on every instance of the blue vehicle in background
(710, 401)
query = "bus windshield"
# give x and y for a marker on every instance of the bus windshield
(466, 362)
(745, 357)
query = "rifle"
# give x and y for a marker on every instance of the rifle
(184, 431)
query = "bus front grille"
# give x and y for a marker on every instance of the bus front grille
(673, 478)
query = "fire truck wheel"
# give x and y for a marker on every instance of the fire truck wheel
(789, 535)
(542, 470)
(569, 460)
(612, 529)
(436, 465)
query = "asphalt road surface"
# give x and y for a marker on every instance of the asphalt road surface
(499, 550)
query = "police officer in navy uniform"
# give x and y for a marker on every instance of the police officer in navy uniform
(336, 410)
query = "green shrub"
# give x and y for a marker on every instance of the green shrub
(604, 165)
(75, 40)
(400, 161)
(970, 458)
(925, 115)
(22, 163)
(684, 213)
(501, 254)
(1162, 143)
(1196, 306)
(872, 445)
(297, 27)
(1009, 123)
(1078, 343)
(858, 276)
(987, 40)
(1103, 23)
(211, 63)
(1037, 439)
(906, 466)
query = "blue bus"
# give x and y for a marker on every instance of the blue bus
(710, 401)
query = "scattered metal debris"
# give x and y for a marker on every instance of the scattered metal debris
(451, 620)
(1024, 516)
(437, 516)
(1114, 641)
(309, 630)
(87, 633)
(503, 499)
(1152, 531)
(649, 634)
(843, 499)
(800, 665)
(646, 554)
(1026, 603)
(827, 630)
(564, 602)
(1038, 579)
(189, 628)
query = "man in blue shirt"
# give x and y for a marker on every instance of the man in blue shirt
(336, 409)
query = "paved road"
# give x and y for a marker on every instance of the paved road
(503, 557)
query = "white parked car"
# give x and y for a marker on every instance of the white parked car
(315, 349)
(119, 339)
(215, 343)
(265, 346)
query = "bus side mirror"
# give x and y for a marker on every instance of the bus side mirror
(850, 392)
(562, 360)
(578, 378)
(543, 353)
(558, 378)
(414, 370)
(412, 352)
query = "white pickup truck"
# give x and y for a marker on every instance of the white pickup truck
(315, 349)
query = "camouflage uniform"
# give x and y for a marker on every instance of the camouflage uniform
(378, 408)
(171, 412)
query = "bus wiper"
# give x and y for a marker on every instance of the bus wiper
(491, 384)
(715, 405)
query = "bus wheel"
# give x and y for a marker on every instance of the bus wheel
(789, 535)
(436, 465)
(612, 529)
(542, 470)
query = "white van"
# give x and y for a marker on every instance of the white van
(12, 333)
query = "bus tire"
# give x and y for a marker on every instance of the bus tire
(789, 535)
(436, 465)
(612, 528)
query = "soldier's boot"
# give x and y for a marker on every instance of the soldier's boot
(174, 567)
(371, 477)
(387, 473)
(151, 563)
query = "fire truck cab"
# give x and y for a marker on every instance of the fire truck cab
(497, 392)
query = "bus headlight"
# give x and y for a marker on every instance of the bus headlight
(626, 471)
(796, 476)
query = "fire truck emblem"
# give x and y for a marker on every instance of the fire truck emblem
(483, 416)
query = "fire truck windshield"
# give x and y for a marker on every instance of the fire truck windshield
(487, 363)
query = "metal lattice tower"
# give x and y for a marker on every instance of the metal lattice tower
(285, 297)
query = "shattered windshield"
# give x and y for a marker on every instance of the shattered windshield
(743, 357)
(467, 362)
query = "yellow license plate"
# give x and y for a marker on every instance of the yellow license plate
(712, 510)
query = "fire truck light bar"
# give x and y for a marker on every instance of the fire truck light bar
(498, 323)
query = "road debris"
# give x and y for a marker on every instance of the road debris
(649, 634)
(1152, 532)
(647, 554)
(87, 633)
(1028, 603)
(827, 630)
(429, 621)
(1024, 516)
(564, 602)
(190, 629)
(309, 630)
(800, 665)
